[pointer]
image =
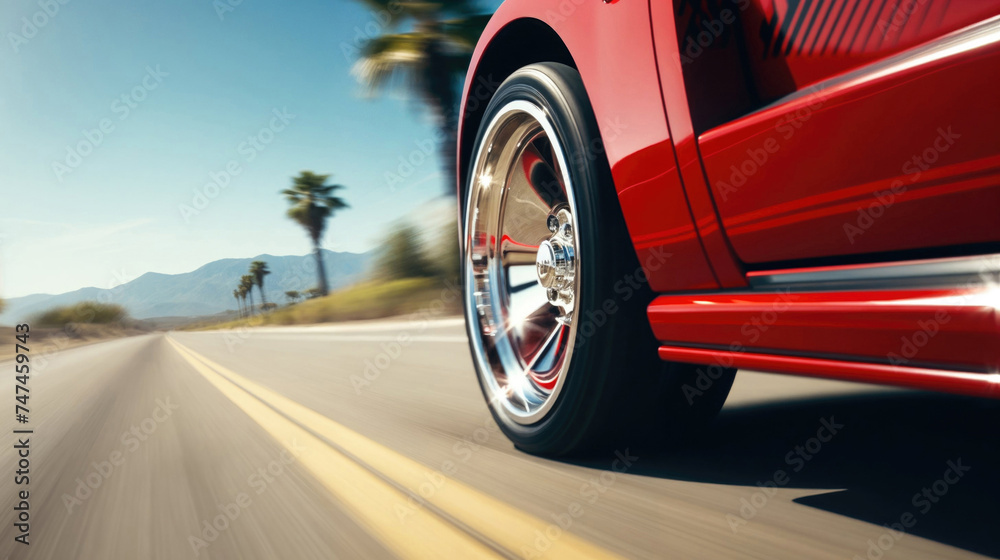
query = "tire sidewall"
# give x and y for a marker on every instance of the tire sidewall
(557, 90)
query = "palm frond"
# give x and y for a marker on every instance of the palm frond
(465, 31)
(387, 59)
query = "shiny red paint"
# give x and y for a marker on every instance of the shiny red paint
(817, 79)
(959, 382)
(727, 269)
(946, 328)
(865, 163)
(793, 44)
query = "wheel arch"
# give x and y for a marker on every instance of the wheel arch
(611, 46)
(505, 53)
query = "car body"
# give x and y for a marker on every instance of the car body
(811, 187)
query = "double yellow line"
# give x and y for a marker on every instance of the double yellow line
(373, 482)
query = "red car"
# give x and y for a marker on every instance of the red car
(658, 193)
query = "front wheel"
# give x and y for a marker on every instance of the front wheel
(554, 297)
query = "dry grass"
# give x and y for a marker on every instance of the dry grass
(46, 340)
(373, 300)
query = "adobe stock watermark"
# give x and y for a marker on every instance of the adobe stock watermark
(904, 10)
(590, 492)
(926, 330)
(424, 150)
(223, 7)
(923, 501)
(391, 350)
(236, 337)
(912, 169)
(248, 150)
(81, 313)
(758, 156)
(33, 24)
(625, 288)
(408, 164)
(930, 326)
(121, 107)
(302, 275)
(379, 21)
(563, 11)
(595, 149)
(796, 459)
(710, 31)
(751, 331)
(462, 453)
(259, 482)
(132, 440)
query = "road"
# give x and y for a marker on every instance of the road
(340, 442)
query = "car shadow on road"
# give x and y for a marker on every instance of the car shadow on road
(891, 447)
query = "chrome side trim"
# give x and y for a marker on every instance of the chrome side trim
(924, 273)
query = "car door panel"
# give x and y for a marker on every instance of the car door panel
(839, 129)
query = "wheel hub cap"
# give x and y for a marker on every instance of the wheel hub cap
(521, 270)
(556, 261)
(547, 265)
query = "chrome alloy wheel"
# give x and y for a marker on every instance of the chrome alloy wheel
(521, 270)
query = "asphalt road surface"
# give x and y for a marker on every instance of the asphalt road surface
(340, 442)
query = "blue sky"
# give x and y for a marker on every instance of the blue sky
(92, 183)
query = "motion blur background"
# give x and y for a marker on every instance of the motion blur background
(149, 137)
(155, 160)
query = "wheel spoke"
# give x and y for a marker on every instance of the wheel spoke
(533, 334)
(547, 348)
(532, 192)
(556, 168)
(513, 253)
(516, 289)
(523, 292)
(530, 312)
(544, 172)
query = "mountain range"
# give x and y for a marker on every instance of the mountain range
(205, 291)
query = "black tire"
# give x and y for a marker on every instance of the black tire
(617, 391)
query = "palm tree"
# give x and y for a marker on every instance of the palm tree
(258, 269)
(313, 203)
(243, 295)
(313, 293)
(431, 58)
(247, 282)
(236, 294)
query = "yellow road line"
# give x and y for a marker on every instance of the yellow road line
(369, 498)
(503, 524)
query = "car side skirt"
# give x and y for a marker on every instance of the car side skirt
(927, 324)
(958, 382)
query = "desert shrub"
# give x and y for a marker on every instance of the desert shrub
(87, 312)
